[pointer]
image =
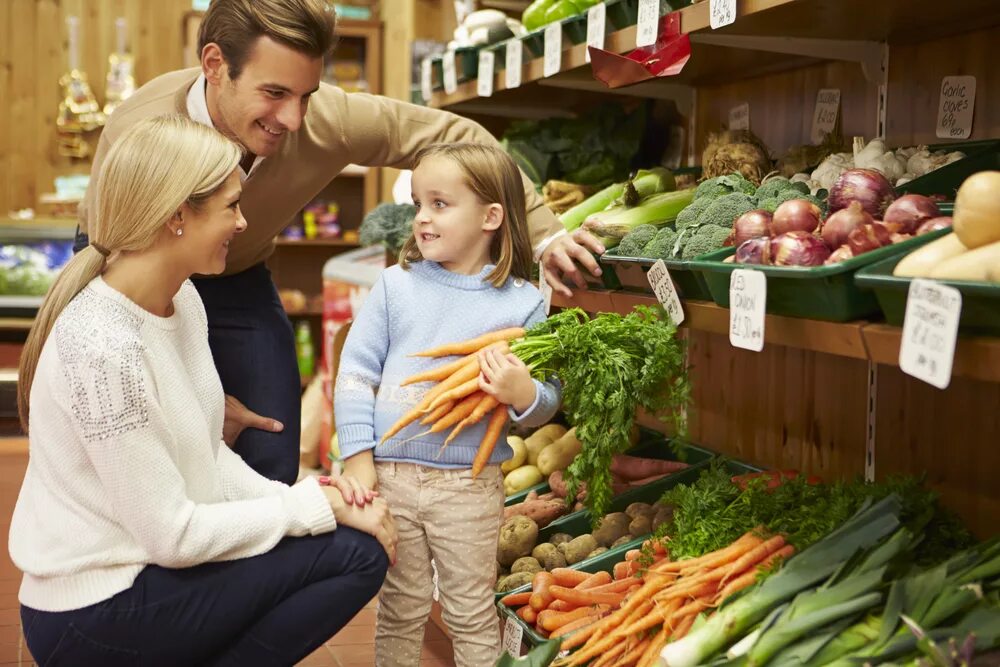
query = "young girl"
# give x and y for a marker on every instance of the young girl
(463, 273)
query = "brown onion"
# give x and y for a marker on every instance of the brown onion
(798, 248)
(750, 225)
(934, 224)
(895, 237)
(867, 186)
(754, 251)
(840, 224)
(910, 211)
(868, 237)
(839, 255)
(795, 215)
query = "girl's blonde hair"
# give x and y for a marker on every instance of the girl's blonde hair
(492, 175)
(154, 167)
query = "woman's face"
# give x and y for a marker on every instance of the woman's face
(209, 229)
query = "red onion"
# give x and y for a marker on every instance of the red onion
(934, 224)
(754, 251)
(750, 225)
(868, 237)
(839, 225)
(910, 211)
(798, 248)
(899, 238)
(839, 255)
(866, 186)
(795, 215)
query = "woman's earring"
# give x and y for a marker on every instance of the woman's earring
(180, 232)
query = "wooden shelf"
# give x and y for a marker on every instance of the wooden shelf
(328, 243)
(17, 229)
(976, 358)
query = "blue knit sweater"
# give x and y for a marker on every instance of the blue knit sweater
(409, 311)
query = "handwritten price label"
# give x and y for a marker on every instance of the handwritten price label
(825, 115)
(597, 21)
(553, 49)
(512, 633)
(739, 117)
(957, 105)
(515, 58)
(663, 287)
(649, 20)
(484, 84)
(721, 13)
(930, 331)
(450, 77)
(747, 304)
(425, 79)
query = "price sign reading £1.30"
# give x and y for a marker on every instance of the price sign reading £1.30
(663, 287)
(747, 303)
(930, 329)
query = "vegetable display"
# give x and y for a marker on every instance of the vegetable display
(389, 225)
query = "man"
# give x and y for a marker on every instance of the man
(259, 84)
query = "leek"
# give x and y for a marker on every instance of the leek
(658, 210)
(646, 183)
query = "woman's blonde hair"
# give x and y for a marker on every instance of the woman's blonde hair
(492, 175)
(157, 165)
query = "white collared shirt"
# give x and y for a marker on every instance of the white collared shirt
(197, 108)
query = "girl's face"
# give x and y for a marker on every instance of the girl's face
(208, 230)
(452, 226)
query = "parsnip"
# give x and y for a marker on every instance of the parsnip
(924, 260)
(980, 265)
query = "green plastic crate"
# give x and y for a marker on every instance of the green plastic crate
(466, 66)
(625, 13)
(534, 43)
(818, 292)
(631, 273)
(499, 55)
(980, 155)
(980, 301)
(575, 28)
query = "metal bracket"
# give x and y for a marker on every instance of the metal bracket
(883, 94)
(870, 430)
(869, 54)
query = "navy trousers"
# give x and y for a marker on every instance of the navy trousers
(268, 610)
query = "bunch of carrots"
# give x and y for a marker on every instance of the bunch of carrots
(625, 619)
(456, 401)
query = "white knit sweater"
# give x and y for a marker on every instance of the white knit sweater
(127, 465)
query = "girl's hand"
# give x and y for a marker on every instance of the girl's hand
(506, 378)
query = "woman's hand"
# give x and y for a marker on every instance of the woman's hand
(507, 379)
(373, 518)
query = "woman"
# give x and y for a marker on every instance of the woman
(143, 539)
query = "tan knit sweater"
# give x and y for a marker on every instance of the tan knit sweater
(339, 129)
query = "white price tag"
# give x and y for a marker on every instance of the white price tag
(545, 288)
(484, 85)
(553, 49)
(747, 303)
(512, 633)
(721, 12)
(825, 115)
(515, 59)
(739, 117)
(666, 294)
(450, 78)
(958, 102)
(425, 79)
(597, 21)
(930, 331)
(649, 20)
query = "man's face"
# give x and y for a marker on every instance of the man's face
(270, 96)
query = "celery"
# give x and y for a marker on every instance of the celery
(657, 209)
(646, 183)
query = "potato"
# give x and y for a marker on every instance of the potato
(520, 479)
(559, 454)
(553, 560)
(512, 581)
(518, 536)
(577, 549)
(520, 456)
(542, 549)
(560, 538)
(526, 564)
(663, 515)
(612, 527)
(597, 552)
(635, 509)
(502, 571)
(624, 539)
(551, 431)
(535, 443)
(641, 525)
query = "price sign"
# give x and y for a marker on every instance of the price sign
(512, 633)
(484, 84)
(596, 26)
(958, 102)
(747, 303)
(450, 78)
(512, 76)
(545, 288)
(825, 115)
(425, 79)
(721, 12)
(649, 19)
(739, 117)
(663, 287)
(930, 330)
(553, 49)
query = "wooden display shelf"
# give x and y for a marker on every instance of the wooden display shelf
(976, 358)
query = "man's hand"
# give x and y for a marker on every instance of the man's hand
(374, 519)
(238, 417)
(557, 260)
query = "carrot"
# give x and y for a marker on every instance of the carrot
(553, 620)
(632, 655)
(541, 595)
(441, 411)
(657, 546)
(578, 597)
(594, 580)
(711, 559)
(610, 657)
(695, 590)
(561, 605)
(466, 373)
(652, 651)
(527, 614)
(485, 404)
(573, 626)
(493, 429)
(622, 570)
(755, 555)
(564, 576)
(683, 627)
(461, 410)
(633, 554)
(619, 586)
(440, 373)
(749, 577)
(515, 599)
(473, 344)
(456, 394)
(580, 636)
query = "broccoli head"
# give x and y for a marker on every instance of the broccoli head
(801, 186)
(689, 215)
(769, 204)
(633, 242)
(772, 186)
(388, 224)
(722, 185)
(724, 210)
(662, 245)
(703, 240)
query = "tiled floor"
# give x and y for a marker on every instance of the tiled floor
(351, 647)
